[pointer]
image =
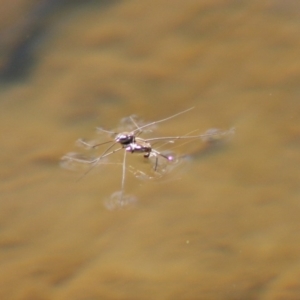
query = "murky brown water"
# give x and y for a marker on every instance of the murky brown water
(227, 227)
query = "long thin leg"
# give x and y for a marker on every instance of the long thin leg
(92, 146)
(156, 163)
(168, 142)
(92, 162)
(134, 122)
(138, 130)
(186, 136)
(106, 131)
(156, 154)
(159, 121)
(123, 178)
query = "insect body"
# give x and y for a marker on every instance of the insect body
(139, 147)
(133, 144)
(125, 138)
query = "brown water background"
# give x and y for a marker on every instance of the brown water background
(228, 226)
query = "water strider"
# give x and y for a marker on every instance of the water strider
(131, 142)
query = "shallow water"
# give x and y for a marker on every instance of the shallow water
(225, 225)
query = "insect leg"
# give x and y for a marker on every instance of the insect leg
(155, 153)
(165, 119)
(106, 131)
(88, 145)
(96, 160)
(123, 178)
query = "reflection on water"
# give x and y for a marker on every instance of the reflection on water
(119, 200)
(222, 226)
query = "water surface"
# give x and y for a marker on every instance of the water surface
(226, 226)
